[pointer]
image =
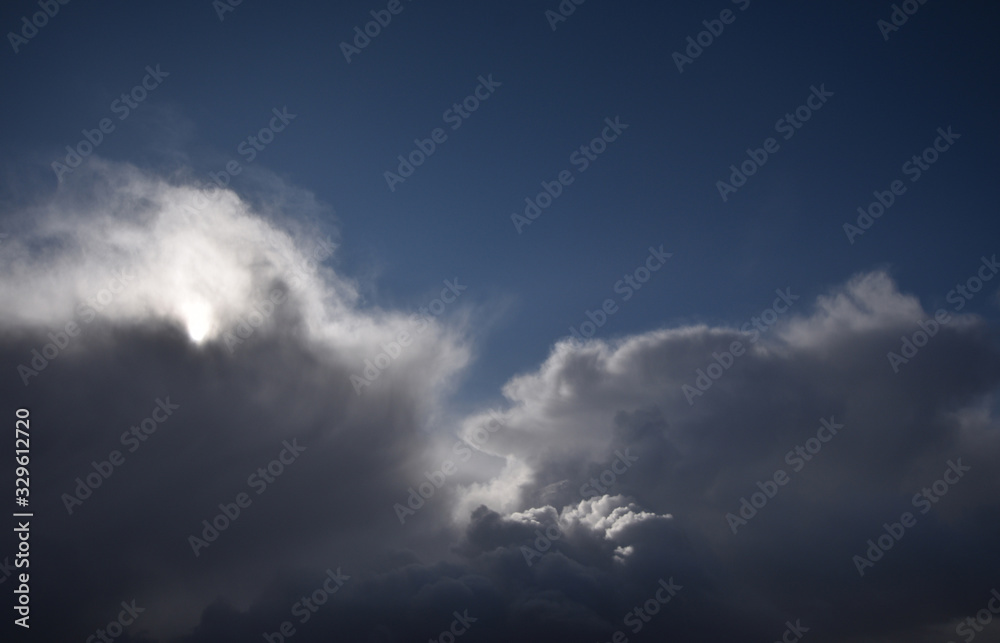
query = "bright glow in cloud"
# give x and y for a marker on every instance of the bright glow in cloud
(131, 248)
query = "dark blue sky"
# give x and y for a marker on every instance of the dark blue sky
(655, 185)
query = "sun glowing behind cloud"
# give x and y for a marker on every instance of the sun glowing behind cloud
(178, 253)
(197, 319)
(131, 248)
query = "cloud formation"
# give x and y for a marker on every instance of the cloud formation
(603, 492)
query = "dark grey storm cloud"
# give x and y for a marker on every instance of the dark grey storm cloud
(259, 483)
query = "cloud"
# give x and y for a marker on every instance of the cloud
(158, 294)
(590, 401)
(601, 468)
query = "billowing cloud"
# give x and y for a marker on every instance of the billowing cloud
(136, 294)
(604, 496)
(794, 451)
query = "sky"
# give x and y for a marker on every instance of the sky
(545, 321)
